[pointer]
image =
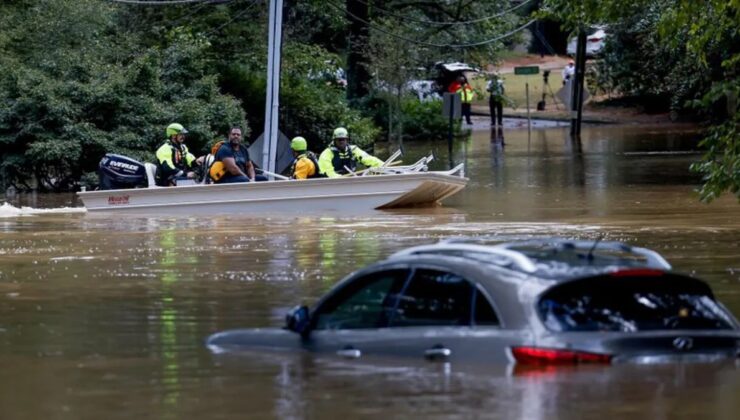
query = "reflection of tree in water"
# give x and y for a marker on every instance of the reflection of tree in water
(341, 252)
(172, 263)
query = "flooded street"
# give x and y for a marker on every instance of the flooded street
(103, 316)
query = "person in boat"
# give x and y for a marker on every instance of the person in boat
(231, 162)
(305, 165)
(174, 161)
(341, 157)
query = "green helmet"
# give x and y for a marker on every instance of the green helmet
(175, 128)
(299, 144)
(340, 133)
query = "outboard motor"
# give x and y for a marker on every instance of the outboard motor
(117, 172)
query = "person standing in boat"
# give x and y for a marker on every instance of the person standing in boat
(304, 164)
(231, 162)
(174, 161)
(341, 158)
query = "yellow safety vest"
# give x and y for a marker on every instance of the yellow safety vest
(466, 93)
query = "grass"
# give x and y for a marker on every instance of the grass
(515, 87)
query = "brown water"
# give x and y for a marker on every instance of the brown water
(104, 317)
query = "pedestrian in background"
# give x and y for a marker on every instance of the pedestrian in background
(466, 98)
(568, 72)
(495, 87)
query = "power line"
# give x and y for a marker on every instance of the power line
(165, 2)
(193, 12)
(434, 22)
(431, 44)
(233, 18)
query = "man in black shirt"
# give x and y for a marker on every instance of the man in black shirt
(235, 159)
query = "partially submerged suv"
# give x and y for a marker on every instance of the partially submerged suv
(536, 302)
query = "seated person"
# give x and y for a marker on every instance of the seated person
(304, 164)
(174, 161)
(340, 156)
(233, 156)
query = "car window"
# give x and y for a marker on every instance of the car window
(363, 303)
(632, 304)
(434, 298)
(483, 312)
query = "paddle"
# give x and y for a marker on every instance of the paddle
(273, 174)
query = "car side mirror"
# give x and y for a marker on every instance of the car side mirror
(298, 319)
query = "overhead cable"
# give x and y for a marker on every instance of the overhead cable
(234, 18)
(430, 44)
(165, 2)
(193, 12)
(449, 23)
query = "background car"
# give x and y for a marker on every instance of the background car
(447, 73)
(537, 302)
(595, 41)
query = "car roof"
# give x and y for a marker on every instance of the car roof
(550, 259)
(456, 67)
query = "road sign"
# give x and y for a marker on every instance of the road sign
(451, 105)
(565, 94)
(525, 70)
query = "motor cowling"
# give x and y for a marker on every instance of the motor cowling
(118, 172)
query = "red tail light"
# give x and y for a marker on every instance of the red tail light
(594, 39)
(545, 356)
(643, 272)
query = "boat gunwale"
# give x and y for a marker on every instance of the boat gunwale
(374, 179)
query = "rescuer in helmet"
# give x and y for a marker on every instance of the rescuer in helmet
(305, 164)
(174, 161)
(341, 157)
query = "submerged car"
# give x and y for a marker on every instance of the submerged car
(536, 302)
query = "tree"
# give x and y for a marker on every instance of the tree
(78, 86)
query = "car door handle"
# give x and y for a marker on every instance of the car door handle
(437, 353)
(349, 353)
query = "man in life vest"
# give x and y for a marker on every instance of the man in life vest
(231, 162)
(305, 164)
(340, 157)
(174, 161)
(466, 98)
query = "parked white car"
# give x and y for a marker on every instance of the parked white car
(594, 42)
(425, 90)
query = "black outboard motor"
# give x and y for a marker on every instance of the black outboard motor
(117, 172)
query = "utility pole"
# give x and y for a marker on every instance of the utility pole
(272, 94)
(576, 102)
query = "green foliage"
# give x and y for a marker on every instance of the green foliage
(720, 166)
(424, 120)
(77, 87)
(312, 111)
(639, 62)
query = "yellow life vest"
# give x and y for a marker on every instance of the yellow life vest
(217, 169)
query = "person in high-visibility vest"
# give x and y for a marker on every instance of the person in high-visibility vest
(466, 97)
(341, 158)
(174, 161)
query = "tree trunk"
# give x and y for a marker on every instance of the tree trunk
(358, 76)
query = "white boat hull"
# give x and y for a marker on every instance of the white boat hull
(349, 194)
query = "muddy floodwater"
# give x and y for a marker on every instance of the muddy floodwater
(104, 317)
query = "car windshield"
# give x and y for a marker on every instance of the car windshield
(628, 304)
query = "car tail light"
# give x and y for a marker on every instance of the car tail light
(646, 272)
(549, 356)
(594, 39)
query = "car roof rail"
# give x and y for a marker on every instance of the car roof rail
(652, 258)
(511, 255)
(506, 257)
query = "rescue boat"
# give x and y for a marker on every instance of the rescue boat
(386, 187)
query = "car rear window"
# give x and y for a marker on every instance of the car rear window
(632, 303)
